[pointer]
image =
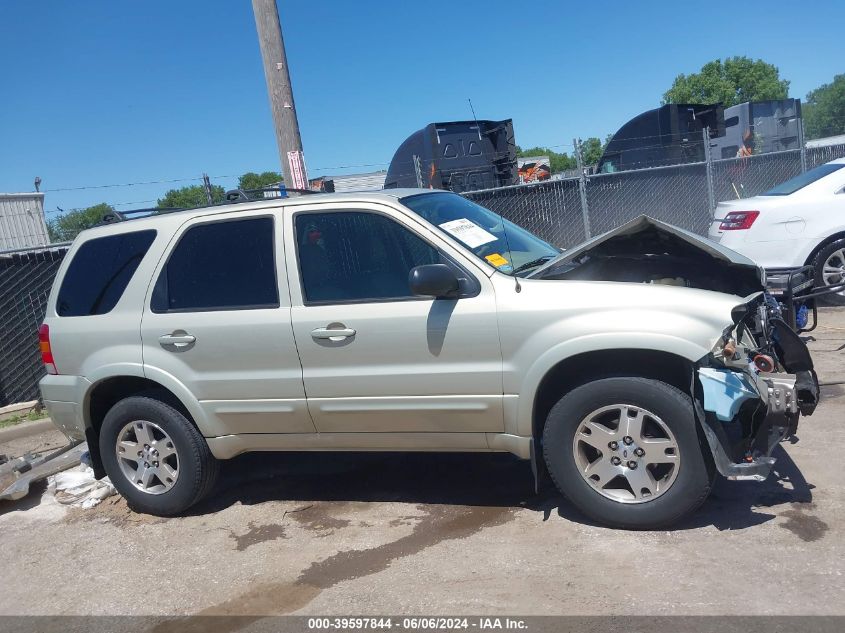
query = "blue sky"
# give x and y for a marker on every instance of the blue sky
(101, 92)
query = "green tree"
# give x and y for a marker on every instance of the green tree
(591, 151)
(251, 180)
(66, 226)
(824, 109)
(559, 161)
(737, 80)
(190, 197)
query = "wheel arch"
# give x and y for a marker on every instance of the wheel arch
(825, 242)
(105, 393)
(580, 369)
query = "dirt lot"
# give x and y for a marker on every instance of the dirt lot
(442, 534)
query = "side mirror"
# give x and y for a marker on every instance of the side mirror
(433, 280)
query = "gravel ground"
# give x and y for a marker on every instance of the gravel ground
(441, 534)
(51, 440)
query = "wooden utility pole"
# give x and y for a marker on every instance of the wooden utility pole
(280, 92)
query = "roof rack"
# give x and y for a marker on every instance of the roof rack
(121, 216)
(235, 196)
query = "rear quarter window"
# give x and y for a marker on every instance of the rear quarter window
(100, 271)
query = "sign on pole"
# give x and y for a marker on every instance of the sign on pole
(297, 171)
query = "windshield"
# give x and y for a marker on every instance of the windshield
(501, 243)
(802, 180)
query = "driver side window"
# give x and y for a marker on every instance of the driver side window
(357, 256)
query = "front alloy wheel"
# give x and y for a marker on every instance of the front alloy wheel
(626, 453)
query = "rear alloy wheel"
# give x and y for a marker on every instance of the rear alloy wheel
(155, 457)
(147, 457)
(830, 270)
(626, 452)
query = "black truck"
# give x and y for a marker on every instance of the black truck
(456, 156)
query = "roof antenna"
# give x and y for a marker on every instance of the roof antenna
(518, 288)
(475, 118)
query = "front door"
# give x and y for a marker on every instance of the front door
(376, 358)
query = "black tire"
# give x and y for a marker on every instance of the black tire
(694, 478)
(835, 299)
(198, 468)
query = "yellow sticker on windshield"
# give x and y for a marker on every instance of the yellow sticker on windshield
(497, 260)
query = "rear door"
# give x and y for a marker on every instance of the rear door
(217, 320)
(398, 362)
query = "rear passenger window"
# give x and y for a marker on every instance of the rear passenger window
(100, 272)
(220, 266)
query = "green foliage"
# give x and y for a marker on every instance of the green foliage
(66, 226)
(190, 197)
(559, 161)
(737, 80)
(591, 151)
(824, 109)
(251, 180)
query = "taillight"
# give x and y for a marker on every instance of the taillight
(738, 220)
(46, 351)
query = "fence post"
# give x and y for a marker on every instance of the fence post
(582, 188)
(708, 169)
(418, 171)
(802, 145)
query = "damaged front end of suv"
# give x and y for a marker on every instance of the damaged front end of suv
(752, 389)
(758, 379)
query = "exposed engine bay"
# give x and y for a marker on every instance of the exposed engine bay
(750, 391)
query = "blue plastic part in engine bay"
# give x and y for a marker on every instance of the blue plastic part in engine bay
(725, 391)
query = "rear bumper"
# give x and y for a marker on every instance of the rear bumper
(63, 397)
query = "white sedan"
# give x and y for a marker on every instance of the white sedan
(800, 222)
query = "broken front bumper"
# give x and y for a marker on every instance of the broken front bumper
(744, 415)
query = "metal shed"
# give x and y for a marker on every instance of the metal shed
(372, 181)
(359, 182)
(22, 222)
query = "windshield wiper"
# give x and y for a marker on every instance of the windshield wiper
(533, 263)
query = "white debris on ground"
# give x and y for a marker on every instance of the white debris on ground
(78, 488)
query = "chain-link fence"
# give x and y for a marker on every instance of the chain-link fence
(25, 281)
(819, 155)
(735, 178)
(565, 212)
(677, 195)
(551, 209)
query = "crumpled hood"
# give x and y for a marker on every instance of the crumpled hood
(646, 249)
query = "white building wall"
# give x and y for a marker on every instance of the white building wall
(22, 221)
(359, 182)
